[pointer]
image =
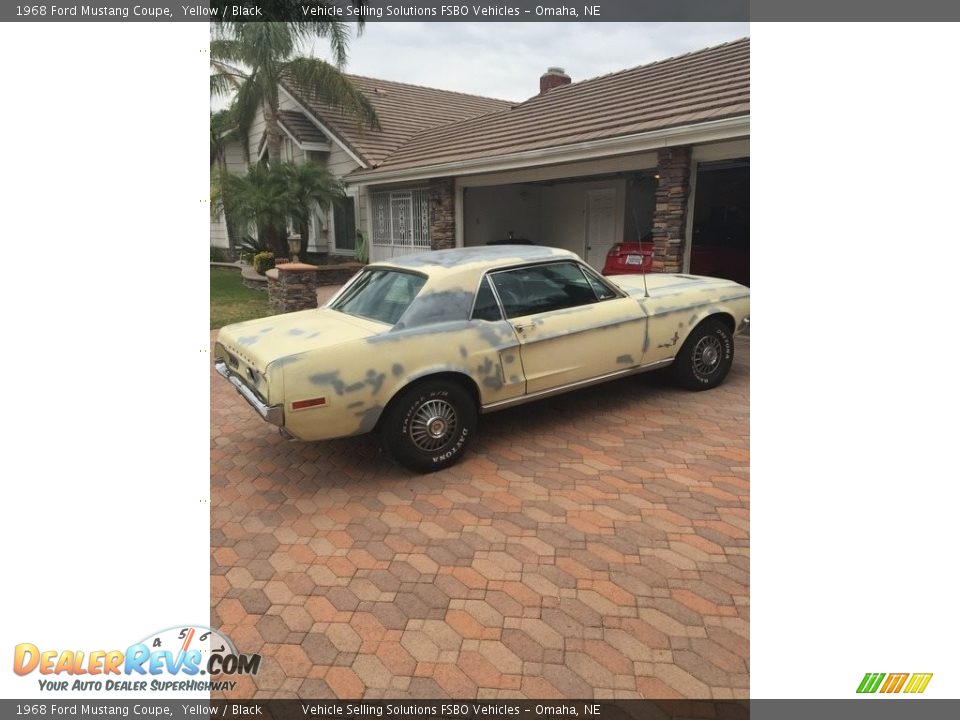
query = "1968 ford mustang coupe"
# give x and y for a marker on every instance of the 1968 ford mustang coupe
(417, 347)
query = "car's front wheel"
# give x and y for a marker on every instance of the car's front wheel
(429, 426)
(706, 356)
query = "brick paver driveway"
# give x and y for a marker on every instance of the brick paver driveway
(590, 545)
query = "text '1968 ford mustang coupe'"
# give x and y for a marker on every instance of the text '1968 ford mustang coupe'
(418, 346)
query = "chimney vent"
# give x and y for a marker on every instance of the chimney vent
(553, 78)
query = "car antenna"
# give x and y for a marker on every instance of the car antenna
(643, 271)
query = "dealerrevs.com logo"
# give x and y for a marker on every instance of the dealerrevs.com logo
(911, 683)
(181, 658)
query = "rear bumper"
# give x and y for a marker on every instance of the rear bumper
(273, 414)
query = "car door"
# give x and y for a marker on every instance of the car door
(571, 325)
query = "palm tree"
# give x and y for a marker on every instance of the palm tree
(259, 200)
(249, 59)
(309, 184)
(223, 130)
(268, 196)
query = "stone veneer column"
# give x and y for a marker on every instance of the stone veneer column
(296, 287)
(442, 217)
(670, 211)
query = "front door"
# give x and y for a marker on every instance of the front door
(571, 326)
(601, 225)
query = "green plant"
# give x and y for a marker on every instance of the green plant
(218, 255)
(308, 184)
(248, 61)
(223, 131)
(250, 246)
(259, 201)
(361, 252)
(263, 262)
(268, 196)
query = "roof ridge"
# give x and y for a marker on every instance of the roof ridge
(698, 86)
(652, 63)
(432, 89)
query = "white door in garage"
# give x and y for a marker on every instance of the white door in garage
(601, 225)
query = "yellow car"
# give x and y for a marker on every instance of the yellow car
(417, 347)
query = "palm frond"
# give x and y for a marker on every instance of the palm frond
(221, 86)
(335, 31)
(227, 51)
(327, 84)
(267, 43)
(246, 103)
(223, 130)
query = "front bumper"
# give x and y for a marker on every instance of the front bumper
(273, 414)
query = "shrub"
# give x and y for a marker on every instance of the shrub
(262, 262)
(250, 246)
(218, 255)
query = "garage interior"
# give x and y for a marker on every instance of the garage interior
(589, 214)
(720, 241)
(586, 215)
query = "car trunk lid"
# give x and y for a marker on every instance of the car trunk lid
(259, 342)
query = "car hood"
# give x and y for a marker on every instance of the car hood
(661, 284)
(261, 342)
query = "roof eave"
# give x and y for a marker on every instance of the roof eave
(710, 131)
(326, 128)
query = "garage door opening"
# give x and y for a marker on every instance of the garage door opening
(721, 221)
(586, 215)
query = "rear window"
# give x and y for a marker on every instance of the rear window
(380, 294)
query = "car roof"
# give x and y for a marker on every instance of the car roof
(475, 259)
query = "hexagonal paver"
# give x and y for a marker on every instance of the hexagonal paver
(319, 649)
(594, 544)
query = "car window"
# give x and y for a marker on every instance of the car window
(602, 290)
(485, 307)
(543, 288)
(382, 295)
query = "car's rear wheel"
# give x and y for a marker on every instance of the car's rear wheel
(429, 425)
(705, 358)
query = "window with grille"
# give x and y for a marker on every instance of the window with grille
(401, 218)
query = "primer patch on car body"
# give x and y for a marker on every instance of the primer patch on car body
(368, 419)
(673, 341)
(375, 380)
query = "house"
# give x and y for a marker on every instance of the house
(660, 151)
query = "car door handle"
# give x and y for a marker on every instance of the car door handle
(521, 327)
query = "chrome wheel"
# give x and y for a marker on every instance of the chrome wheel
(707, 355)
(433, 424)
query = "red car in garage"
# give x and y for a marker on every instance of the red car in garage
(629, 257)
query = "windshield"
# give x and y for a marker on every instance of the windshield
(381, 295)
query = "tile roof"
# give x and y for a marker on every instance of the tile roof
(301, 128)
(404, 110)
(700, 86)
